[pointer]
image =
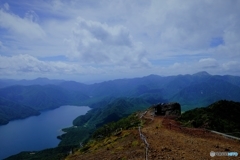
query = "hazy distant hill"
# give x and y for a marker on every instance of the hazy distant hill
(190, 91)
(231, 79)
(41, 97)
(10, 111)
(24, 82)
(207, 92)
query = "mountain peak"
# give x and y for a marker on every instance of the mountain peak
(202, 73)
(42, 78)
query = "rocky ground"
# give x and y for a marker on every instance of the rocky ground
(166, 139)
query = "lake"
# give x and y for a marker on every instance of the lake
(37, 132)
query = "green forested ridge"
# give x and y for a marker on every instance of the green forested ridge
(56, 153)
(95, 118)
(118, 107)
(222, 116)
(10, 111)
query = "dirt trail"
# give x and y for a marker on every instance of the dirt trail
(165, 142)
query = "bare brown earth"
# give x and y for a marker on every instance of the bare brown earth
(167, 140)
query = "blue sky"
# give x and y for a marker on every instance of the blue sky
(88, 40)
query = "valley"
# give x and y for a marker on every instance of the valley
(113, 100)
(191, 91)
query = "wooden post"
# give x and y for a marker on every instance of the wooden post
(146, 153)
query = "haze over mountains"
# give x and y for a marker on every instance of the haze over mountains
(111, 100)
(190, 91)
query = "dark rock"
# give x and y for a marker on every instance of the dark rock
(168, 109)
(216, 146)
(166, 149)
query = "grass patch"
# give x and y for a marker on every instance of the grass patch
(135, 143)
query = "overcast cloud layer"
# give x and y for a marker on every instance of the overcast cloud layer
(88, 40)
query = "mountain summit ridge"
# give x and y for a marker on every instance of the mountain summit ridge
(202, 73)
(190, 91)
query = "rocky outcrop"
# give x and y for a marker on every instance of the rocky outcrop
(168, 109)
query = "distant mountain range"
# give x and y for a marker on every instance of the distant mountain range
(24, 82)
(115, 99)
(191, 91)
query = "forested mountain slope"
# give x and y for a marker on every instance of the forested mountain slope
(222, 116)
(41, 97)
(10, 111)
(84, 125)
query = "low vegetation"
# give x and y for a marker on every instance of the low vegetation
(47, 154)
(109, 142)
(222, 116)
(115, 128)
(85, 125)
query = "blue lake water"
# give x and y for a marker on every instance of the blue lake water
(37, 132)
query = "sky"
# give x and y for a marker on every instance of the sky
(90, 41)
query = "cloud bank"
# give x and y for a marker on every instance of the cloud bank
(118, 39)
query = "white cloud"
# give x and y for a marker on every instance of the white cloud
(99, 43)
(231, 67)
(208, 63)
(26, 64)
(31, 16)
(190, 25)
(2, 47)
(121, 37)
(20, 26)
(6, 6)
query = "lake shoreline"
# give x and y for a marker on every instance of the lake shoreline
(15, 119)
(40, 132)
(39, 113)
